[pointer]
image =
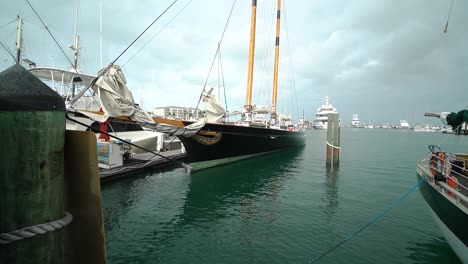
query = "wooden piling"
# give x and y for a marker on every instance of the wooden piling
(32, 119)
(84, 240)
(333, 139)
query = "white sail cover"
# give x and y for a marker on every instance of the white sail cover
(214, 110)
(116, 100)
(115, 97)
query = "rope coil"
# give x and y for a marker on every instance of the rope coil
(40, 229)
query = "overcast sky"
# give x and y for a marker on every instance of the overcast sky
(383, 60)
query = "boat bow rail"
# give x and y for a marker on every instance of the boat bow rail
(445, 172)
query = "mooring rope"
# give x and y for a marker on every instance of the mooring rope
(333, 146)
(380, 215)
(40, 229)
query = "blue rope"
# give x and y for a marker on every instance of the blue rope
(370, 222)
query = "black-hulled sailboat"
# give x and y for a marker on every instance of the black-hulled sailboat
(444, 187)
(219, 143)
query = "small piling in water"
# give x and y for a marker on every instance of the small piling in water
(333, 139)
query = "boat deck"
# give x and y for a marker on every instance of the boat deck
(455, 171)
(139, 162)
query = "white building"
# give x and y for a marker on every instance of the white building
(176, 112)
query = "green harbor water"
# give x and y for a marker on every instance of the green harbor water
(286, 207)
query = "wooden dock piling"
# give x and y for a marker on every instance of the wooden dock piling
(333, 139)
(32, 118)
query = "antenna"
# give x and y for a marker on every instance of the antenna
(19, 39)
(448, 18)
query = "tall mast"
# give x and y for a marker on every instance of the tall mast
(74, 47)
(19, 39)
(75, 43)
(248, 98)
(100, 29)
(275, 72)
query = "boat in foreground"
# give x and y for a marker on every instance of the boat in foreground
(444, 187)
(446, 193)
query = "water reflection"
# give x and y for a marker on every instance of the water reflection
(214, 192)
(331, 197)
(153, 215)
(435, 250)
(127, 194)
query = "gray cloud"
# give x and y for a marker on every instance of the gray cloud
(383, 60)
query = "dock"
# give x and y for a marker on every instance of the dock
(142, 161)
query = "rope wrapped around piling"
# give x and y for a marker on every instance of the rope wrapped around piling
(34, 230)
(333, 146)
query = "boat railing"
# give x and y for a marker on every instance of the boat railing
(450, 173)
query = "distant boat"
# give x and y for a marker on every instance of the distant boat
(321, 117)
(444, 187)
(404, 124)
(419, 128)
(356, 123)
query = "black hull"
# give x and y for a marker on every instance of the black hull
(215, 142)
(454, 218)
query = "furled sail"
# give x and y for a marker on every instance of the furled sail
(115, 97)
(214, 110)
(116, 101)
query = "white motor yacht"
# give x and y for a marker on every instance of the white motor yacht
(321, 117)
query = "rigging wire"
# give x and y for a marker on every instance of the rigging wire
(157, 33)
(448, 18)
(8, 51)
(222, 77)
(144, 31)
(216, 53)
(102, 72)
(290, 60)
(7, 24)
(266, 66)
(50, 33)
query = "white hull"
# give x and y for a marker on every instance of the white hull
(321, 126)
(457, 245)
(321, 116)
(143, 138)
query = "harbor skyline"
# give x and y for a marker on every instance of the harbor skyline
(385, 62)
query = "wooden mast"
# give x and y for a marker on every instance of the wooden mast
(275, 72)
(248, 98)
